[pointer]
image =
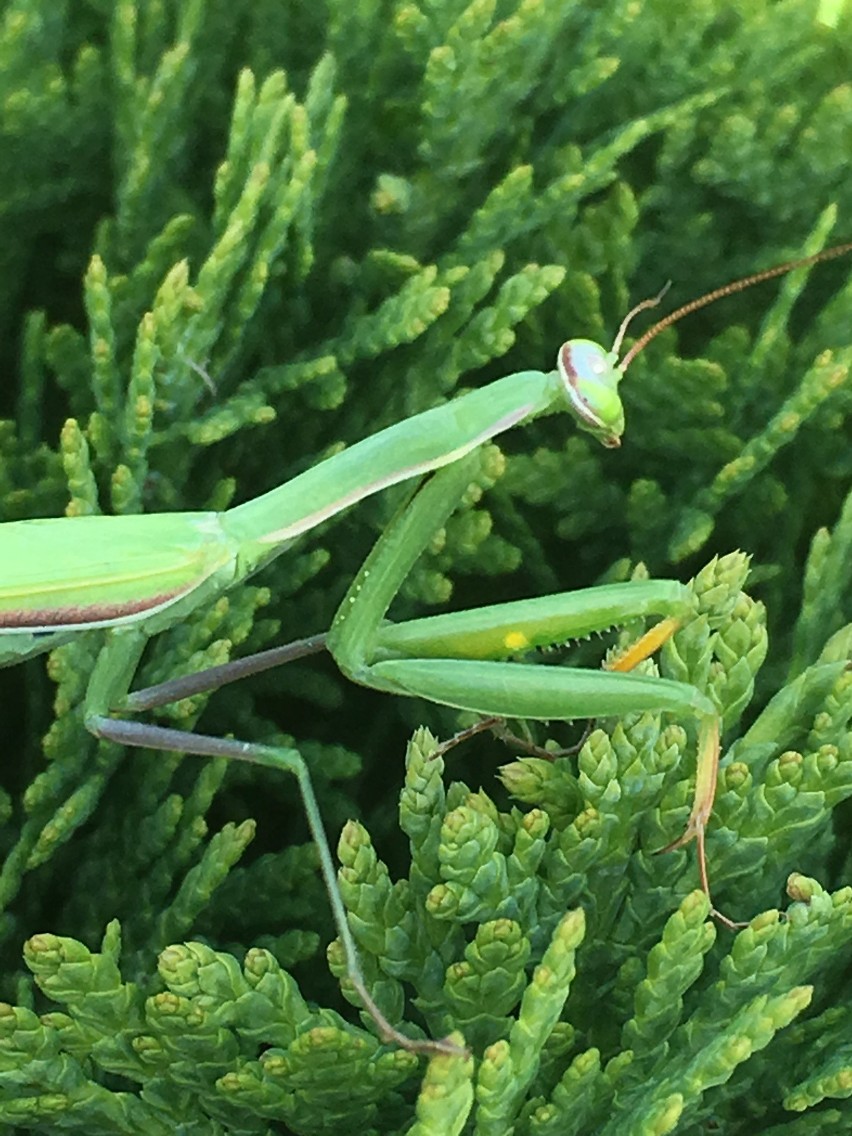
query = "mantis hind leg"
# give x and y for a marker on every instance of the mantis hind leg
(108, 686)
(145, 736)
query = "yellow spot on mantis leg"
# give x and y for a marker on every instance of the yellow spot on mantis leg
(515, 641)
(645, 646)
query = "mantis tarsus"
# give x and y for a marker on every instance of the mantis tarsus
(134, 576)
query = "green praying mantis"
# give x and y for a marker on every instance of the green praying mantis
(135, 576)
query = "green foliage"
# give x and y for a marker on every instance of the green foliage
(239, 236)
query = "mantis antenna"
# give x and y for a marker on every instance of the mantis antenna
(711, 297)
(642, 307)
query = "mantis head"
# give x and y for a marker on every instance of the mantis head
(591, 375)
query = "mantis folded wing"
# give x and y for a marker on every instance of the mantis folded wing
(135, 576)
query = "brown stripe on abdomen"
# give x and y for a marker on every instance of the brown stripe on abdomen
(75, 614)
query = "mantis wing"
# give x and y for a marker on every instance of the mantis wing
(68, 574)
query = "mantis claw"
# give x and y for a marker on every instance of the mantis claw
(428, 1047)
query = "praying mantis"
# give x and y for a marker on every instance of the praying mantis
(135, 576)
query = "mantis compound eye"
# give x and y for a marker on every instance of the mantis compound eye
(590, 377)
